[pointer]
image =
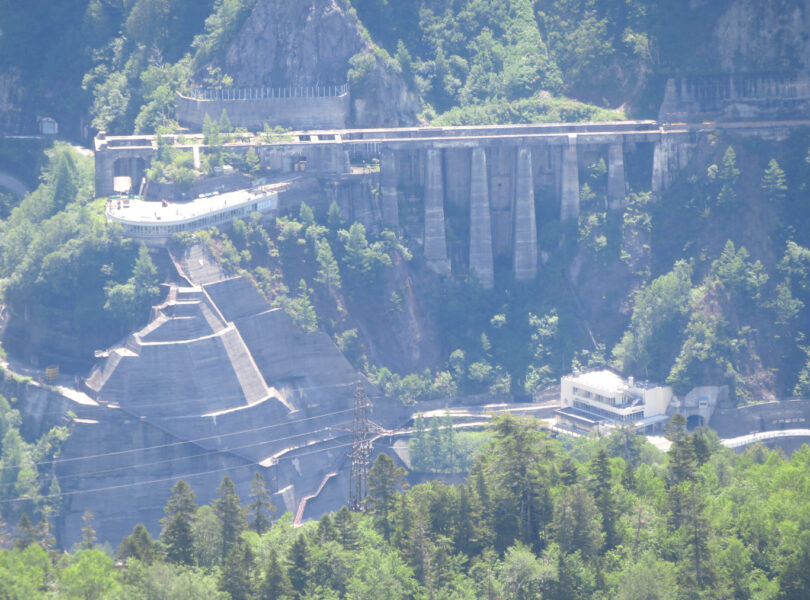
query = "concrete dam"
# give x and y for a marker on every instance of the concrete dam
(494, 185)
(217, 382)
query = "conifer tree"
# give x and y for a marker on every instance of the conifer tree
(5, 535)
(252, 161)
(774, 182)
(26, 534)
(384, 482)
(728, 176)
(605, 499)
(346, 533)
(225, 122)
(176, 535)
(334, 217)
(305, 215)
(260, 509)
(418, 445)
(328, 269)
(449, 451)
(63, 181)
(326, 529)
(433, 443)
(144, 278)
(230, 513)
(275, 585)
(237, 572)
(44, 533)
(568, 471)
(299, 566)
(88, 533)
(139, 544)
(210, 130)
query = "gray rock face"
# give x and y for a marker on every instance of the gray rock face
(308, 43)
(294, 44)
(756, 35)
(11, 113)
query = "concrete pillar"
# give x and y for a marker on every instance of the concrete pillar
(569, 206)
(480, 221)
(525, 253)
(104, 165)
(388, 190)
(435, 242)
(616, 185)
(660, 168)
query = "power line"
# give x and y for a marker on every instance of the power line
(180, 443)
(162, 479)
(178, 458)
(115, 406)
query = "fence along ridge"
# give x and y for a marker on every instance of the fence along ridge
(264, 93)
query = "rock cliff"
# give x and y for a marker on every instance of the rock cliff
(11, 101)
(310, 43)
(755, 35)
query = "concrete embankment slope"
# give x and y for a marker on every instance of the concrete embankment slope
(218, 381)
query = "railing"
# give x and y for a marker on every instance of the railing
(262, 93)
(258, 201)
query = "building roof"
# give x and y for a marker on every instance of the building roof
(604, 380)
(137, 210)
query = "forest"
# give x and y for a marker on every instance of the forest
(536, 518)
(470, 61)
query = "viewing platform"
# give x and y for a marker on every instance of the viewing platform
(155, 222)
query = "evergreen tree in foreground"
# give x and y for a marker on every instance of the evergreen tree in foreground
(384, 482)
(260, 509)
(276, 584)
(139, 544)
(176, 535)
(237, 572)
(88, 533)
(299, 566)
(231, 515)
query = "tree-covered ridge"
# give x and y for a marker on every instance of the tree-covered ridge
(609, 518)
(65, 266)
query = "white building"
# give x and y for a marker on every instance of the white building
(603, 399)
(156, 222)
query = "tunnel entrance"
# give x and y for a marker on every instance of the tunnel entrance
(132, 168)
(693, 421)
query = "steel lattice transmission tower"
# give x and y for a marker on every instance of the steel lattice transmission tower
(361, 449)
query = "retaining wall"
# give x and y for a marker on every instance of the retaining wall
(319, 112)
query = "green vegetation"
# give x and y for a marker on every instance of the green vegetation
(439, 448)
(541, 109)
(25, 470)
(621, 520)
(65, 266)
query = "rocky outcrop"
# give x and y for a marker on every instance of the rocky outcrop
(309, 43)
(756, 35)
(11, 101)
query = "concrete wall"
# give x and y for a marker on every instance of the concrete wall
(734, 96)
(771, 416)
(330, 112)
